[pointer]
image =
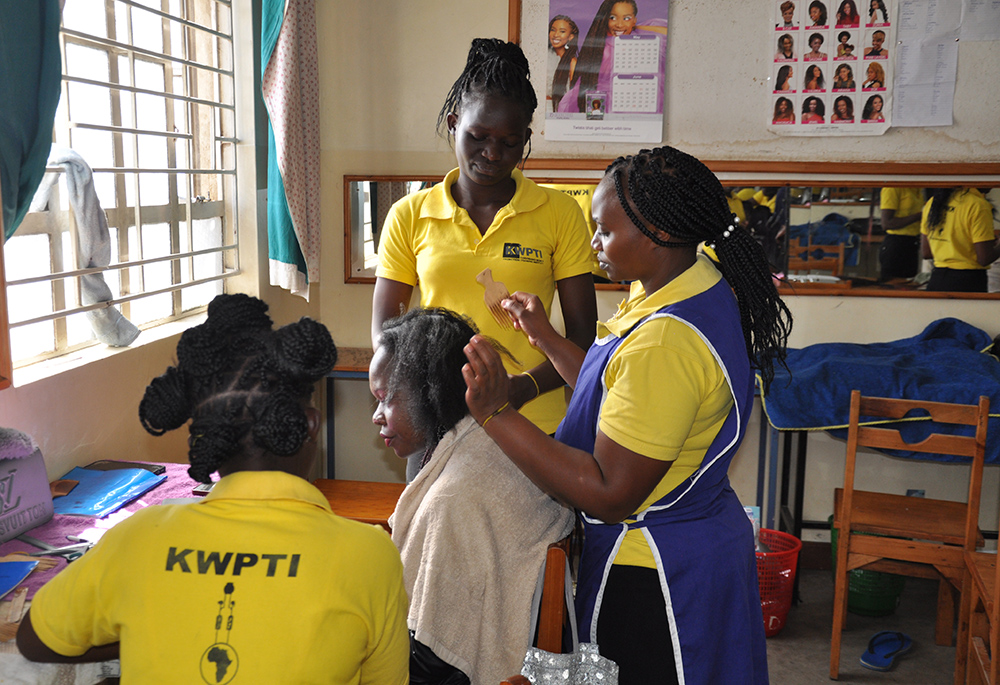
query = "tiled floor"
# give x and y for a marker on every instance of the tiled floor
(800, 653)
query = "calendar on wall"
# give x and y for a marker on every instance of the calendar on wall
(605, 70)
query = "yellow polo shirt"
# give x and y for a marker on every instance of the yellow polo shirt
(258, 579)
(667, 397)
(539, 238)
(968, 220)
(905, 201)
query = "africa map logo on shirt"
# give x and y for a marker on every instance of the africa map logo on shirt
(519, 253)
(220, 662)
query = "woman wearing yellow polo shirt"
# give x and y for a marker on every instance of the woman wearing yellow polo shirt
(899, 254)
(667, 585)
(957, 233)
(486, 214)
(259, 578)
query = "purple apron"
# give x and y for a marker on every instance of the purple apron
(699, 534)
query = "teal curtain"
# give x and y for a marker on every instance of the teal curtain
(30, 75)
(282, 243)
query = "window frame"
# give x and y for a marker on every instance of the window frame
(220, 147)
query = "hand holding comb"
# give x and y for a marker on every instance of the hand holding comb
(496, 292)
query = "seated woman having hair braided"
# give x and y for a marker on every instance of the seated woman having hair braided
(303, 595)
(667, 585)
(472, 529)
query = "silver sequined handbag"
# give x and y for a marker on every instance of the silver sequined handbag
(584, 666)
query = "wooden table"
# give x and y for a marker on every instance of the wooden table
(361, 500)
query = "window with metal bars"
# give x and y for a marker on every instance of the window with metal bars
(148, 102)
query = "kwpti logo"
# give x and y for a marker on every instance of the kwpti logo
(520, 253)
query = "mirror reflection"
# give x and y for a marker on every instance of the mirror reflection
(841, 237)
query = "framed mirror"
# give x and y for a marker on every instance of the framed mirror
(821, 225)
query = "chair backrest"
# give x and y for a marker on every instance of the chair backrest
(552, 609)
(813, 257)
(884, 408)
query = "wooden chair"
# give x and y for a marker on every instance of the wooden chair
(807, 257)
(977, 659)
(552, 609)
(927, 538)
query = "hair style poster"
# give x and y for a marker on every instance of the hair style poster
(604, 68)
(831, 67)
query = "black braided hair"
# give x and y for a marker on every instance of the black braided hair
(237, 377)
(588, 64)
(940, 197)
(425, 352)
(493, 68)
(680, 196)
(560, 80)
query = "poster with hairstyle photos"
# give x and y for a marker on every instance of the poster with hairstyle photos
(604, 67)
(830, 67)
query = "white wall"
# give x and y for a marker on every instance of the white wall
(384, 73)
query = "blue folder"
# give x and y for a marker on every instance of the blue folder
(100, 493)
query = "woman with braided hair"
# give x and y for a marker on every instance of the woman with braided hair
(487, 215)
(467, 508)
(660, 405)
(956, 231)
(258, 577)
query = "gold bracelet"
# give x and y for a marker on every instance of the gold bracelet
(538, 390)
(487, 419)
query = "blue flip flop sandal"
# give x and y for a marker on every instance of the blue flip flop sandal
(883, 649)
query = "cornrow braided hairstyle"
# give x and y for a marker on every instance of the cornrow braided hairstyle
(588, 64)
(493, 68)
(682, 198)
(940, 197)
(425, 351)
(237, 378)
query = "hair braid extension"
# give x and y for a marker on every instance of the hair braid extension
(588, 63)
(680, 197)
(492, 68)
(940, 197)
(236, 377)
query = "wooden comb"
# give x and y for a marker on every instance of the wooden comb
(496, 292)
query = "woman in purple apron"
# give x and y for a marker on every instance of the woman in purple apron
(667, 584)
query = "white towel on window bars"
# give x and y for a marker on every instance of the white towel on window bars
(93, 244)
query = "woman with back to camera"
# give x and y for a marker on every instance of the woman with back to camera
(442, 238)
(873, 109)
(957, 233)
(876, 77)
(659, 406)
(814, 78)
(472, 530)
(307, 595)
(784, 113)
(614, 18)
(817, 14)
(813, 111)
(847, 14)
(563, 46)
(784, 79)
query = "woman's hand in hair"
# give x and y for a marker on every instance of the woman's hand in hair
(529, 316)
(486, 379)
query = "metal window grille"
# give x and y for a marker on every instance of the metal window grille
(148, 101)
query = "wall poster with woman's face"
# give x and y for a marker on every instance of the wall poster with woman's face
(830, 64)
(611, 52)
